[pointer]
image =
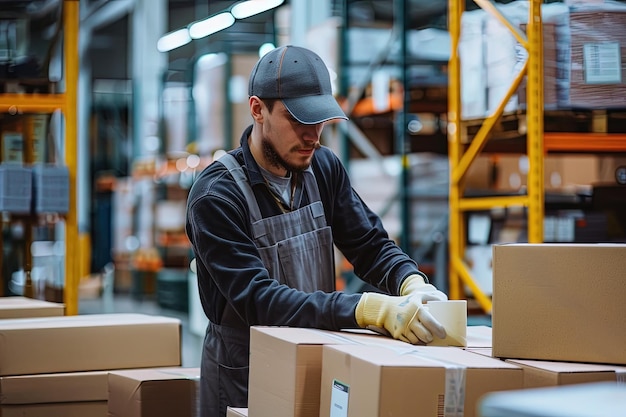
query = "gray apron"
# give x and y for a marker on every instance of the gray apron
(297, 250)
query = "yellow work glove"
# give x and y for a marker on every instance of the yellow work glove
(400, 317)
(416, 285)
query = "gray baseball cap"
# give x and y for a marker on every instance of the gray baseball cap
(299, 78)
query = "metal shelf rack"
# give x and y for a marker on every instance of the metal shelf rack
(65, 102)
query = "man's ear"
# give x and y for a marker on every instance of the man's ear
(256, 108)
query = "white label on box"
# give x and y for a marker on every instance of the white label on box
(602, 63)
(339, 399)
(455, 391)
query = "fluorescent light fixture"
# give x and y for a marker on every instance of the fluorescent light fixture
(211, 25)
(252, 7)
(265, 48)
(173, 40)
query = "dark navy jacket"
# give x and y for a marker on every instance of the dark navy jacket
(231, 271)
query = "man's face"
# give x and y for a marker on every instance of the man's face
(286, 142)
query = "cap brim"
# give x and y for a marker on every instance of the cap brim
(310, 110)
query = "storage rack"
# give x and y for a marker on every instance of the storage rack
(538, 143)
(66, 103)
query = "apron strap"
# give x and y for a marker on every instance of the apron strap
(236, 171)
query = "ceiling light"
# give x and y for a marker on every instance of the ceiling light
(173, 40)
(252, 7)
(211, 25)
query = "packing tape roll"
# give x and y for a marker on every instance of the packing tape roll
(452, 315)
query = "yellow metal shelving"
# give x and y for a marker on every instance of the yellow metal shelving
(461, 155)
(65, 102)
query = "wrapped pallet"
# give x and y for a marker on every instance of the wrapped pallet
(598, 48)
(506, 56)
(473, 74)
(491, 58)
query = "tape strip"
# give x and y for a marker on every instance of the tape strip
(454, 401)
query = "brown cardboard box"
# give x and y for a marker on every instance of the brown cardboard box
(23, 307)
(285, 370)
(377, 381)
(54, 388)
(154, 392)
(78, 409)
(560, 302)
(548, 373)
(236, 412)
(88, 343)
(55, 395)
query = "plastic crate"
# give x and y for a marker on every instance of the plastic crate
(51, 189)
(15, 188)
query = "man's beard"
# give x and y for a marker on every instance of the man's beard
(274, 159)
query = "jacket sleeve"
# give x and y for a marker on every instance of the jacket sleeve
(358, 232)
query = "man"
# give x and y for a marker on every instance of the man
(263, 219)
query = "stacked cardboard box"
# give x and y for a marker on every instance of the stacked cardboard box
(559, 302)
(57, 366)
(23, 307)
(73, 394)
(377, 381)
(299, 372)
(154, 392)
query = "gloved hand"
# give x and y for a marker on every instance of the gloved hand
(416, 285)
(402, 317)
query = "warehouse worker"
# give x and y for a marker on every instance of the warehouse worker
(263, 219)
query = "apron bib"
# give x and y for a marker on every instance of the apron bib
(297, 250)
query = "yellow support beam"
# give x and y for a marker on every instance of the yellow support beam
(461, 158)
(486, 203)
(12, 103)
(455, 149)
(534, 119)
(70, 53)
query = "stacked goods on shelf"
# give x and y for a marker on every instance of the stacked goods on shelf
(491, 57)
(471, 54)
(598, 48)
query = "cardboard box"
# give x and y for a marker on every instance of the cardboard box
(154, 392)
(363, 381)
(286, 369)
(549, 373)
(24, 307)
(54, 388)
(560, 302)
(236, 412)
(55, 395)
(79, 409)
(90, 342)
